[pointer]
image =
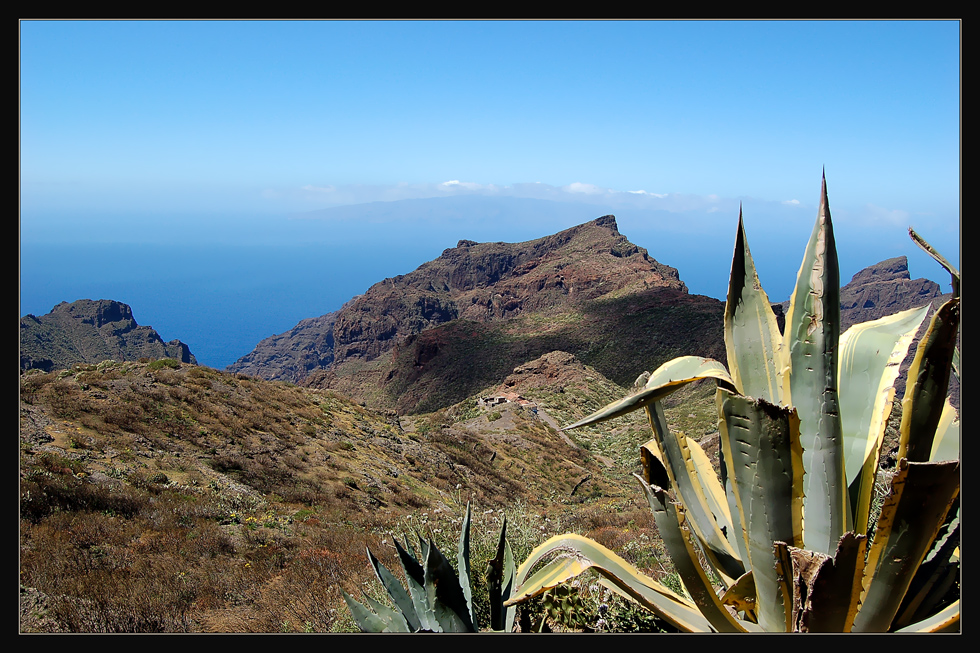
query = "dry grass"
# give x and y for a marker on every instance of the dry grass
(190, 500)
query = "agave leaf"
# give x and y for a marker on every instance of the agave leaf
(578, 554)
(812, 335)
(553, 574)
(394, 621)
(463, 564)
(667, 378)
(931, 251)
(928, 380)
(737, 535)
(761, 442)
(397, 592)
(783, 565)
(935, 576)
(913, 513)
(673, 528)
(741, 595)
(500, 582)
(444, 594)
(712, 489)
(366, 620)
(825, 589)
(946, 445)
(946, 620)
(654, 467)
(752, 338)
(684, 477)
(868, 365)
(415, 581)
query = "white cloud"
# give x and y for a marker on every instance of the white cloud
(579, 187)
(468, 185)
(792, 202)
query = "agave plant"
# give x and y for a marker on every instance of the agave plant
(780, 540)
(437, 599)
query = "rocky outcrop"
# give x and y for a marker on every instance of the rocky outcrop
(478, 282)
(883, 289)
(88, 331)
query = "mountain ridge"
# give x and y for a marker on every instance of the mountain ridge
(480, 282)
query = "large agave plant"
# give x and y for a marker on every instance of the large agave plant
(780, 540)
(438, 599)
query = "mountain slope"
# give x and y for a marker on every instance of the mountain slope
(459, 323)
(88, 331)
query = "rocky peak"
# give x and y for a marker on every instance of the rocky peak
(882, 289)
(894, 269)
(91, 331)
(492, 281)
(482, 282)
(98, 312)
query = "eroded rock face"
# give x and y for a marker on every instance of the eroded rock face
(883, 289)
(292, 355)
(91, 331)
(481, 282)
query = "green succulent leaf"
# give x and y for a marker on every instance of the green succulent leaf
(928, 380)
(415, 580)
(936, 576)
(366, 620)
(401, 598)
(812, 335)
(752, 338)
(913, 513)
(394, 621)
(868, 365)
(444, 594)
(576, 554)
(672, 524)
(686, 481)
(463, 564)
(500, 579)
(761, 444)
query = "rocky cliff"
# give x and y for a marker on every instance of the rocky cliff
(88, 331)
(883, 289)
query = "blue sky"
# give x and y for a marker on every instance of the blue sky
(137, 131)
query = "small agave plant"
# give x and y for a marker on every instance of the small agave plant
(780, 540)
(437, 599)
